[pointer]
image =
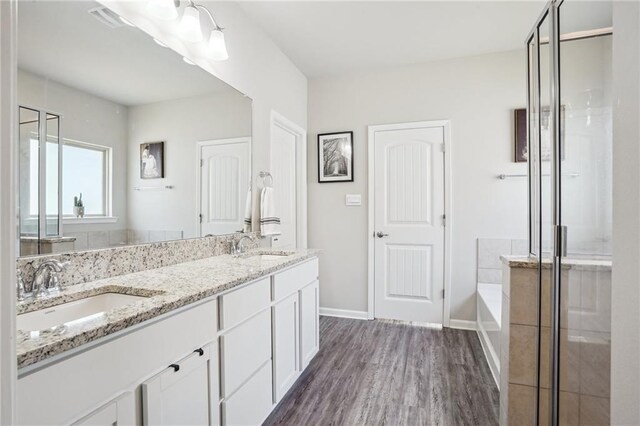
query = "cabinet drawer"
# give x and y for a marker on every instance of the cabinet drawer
(291, 280)
(244, 350)
(251, 404)
(241, 304)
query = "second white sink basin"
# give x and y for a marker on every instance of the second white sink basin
(74, 312)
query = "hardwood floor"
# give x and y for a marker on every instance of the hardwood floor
(375, 372)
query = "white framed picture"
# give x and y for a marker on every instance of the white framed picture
(335, 157)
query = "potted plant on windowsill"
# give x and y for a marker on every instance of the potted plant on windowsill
(78, 206)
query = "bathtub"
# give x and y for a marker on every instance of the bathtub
(489, 315)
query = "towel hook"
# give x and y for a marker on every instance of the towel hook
(264, 176)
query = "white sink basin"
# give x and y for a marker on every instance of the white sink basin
(74, 312)
(267, 256)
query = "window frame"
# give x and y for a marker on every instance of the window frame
(108, 179)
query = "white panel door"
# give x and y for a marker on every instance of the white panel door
(408, 224)
(224, 182)
(283, 170)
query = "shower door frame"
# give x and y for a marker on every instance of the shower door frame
(558, 249)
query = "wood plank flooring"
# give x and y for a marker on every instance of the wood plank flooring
(376, 372)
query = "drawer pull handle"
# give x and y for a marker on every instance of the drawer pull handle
(175, 367)
(200, 351)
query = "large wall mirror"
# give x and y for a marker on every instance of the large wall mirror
(121, 140)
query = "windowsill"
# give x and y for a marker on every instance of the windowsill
(89, 220)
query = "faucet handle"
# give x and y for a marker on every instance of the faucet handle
(20, 292)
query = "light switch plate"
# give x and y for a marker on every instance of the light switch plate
(353, 200)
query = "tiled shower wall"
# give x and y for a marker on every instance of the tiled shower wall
(489, 252)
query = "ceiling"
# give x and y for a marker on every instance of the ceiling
(62, 41)
(332, 37)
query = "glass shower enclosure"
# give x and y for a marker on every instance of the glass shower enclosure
(569, 111)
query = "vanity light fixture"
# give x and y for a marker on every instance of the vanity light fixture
(190, 27)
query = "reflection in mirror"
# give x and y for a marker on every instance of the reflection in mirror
(121, 141)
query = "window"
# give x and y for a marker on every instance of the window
(86, 170)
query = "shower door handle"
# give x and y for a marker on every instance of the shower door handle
(560, 241)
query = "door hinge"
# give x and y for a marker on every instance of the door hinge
(201, 162)
(442, 148)
(444, 220)
(200, 217)
(443, 293)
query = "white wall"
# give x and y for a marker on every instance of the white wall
(625, 321)
(256, 67)
(181, 124)
(478, 94)
(86, 118)
(8, 212)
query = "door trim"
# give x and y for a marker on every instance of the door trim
(300, 134)
(445, 124)
(210, 142)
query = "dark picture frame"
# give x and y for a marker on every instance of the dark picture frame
(152, 160)
(520, 147)
(335, 157)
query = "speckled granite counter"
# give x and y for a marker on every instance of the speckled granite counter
(167, 289)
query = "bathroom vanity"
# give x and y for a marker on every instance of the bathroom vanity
(218, 340)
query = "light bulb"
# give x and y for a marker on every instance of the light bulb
(162, 9)
(217, 46)
(189, 28)
(126, 21)
(159, 43)
(188, 61)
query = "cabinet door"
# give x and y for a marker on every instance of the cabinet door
(285, 345)
(309, 323)
(120, 412)
(184, 393)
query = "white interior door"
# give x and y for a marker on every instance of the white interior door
(224, 182)
(283, 170)
(408, 223)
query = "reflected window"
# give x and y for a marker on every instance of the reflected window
(86, 172)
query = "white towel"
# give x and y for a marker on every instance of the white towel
(269, 221)
(247, 213)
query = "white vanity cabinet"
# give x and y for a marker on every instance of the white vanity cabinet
(226, 360)
(295, 324)
(89, 380)
(186, 392)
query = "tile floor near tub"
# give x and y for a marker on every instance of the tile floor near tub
(377, 372)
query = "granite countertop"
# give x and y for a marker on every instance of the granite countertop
(598, 262)
(167, 289)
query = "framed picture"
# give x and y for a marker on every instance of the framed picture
(520, 140)
(152, 160)
(335, 157)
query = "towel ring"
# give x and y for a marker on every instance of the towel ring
(264, 176)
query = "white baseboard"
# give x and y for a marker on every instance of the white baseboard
(344, 313)
(490, 354)
(462, 324)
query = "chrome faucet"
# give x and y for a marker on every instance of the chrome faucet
(45, 280)
(238, 246)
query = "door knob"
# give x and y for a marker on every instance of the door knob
(381, 234)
